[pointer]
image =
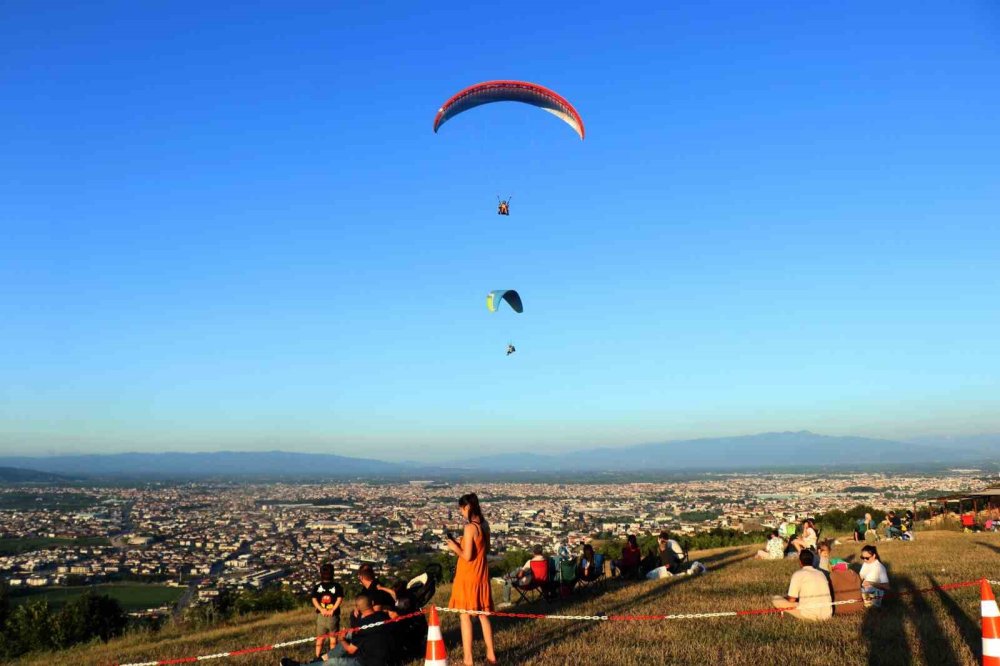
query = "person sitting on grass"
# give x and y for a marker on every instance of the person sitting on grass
(523, 576)
(821, 560)
(774, 549)
(863, 526)
(874, 577)
(808, 596)
(368, 647)
(894, 526)
(808, 537)
(588, 564)
(628, 565)
(791, 553)
(667, 560)
(381, 598)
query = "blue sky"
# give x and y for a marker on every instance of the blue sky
(232, 226)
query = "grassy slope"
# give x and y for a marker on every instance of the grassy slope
(928, 628)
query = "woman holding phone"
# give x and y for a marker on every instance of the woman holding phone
(471, 588)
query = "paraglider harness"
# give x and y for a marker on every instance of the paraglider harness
(503, 206)
(510, 350)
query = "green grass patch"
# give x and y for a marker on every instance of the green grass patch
(21, 500)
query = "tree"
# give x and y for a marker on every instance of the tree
(87, 617)
(270, 599)
(29, 627)
(4, 603)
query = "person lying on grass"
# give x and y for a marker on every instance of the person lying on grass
(808, 595)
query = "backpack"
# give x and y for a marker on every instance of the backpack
(846, 586)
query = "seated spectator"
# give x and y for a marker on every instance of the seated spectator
(791, 552)
(523, 576)
(808, 595)
(409, 635)
(588, 564)
(874, 577)
(668, 558)
(862, 528)
(894, 526)
(808, 537)
(774, 549)
(822, 558)
(381, 598)
(631, 558)
(369, 647)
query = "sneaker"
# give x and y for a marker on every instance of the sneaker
(504, 605)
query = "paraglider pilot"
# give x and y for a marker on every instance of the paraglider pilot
(510, 350)
(503, 207)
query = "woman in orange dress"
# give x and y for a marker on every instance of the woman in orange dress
(471, 588)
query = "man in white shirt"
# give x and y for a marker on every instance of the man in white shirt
(808, 595)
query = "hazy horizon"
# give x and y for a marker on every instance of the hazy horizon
(438, 457)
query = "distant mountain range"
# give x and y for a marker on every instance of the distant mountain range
(771, 450)
(766, 450)
(19, 475)
(175, 465)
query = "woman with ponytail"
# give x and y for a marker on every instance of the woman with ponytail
(471, 588)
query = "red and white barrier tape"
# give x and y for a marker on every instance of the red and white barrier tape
(541, 616)
(274, 646)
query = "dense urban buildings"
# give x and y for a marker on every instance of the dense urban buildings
(210, 536)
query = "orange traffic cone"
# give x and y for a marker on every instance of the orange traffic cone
(436, 654)
(991, 626)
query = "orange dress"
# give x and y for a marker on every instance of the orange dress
(471, 588)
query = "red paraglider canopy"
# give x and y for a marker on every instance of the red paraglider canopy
(510, 91)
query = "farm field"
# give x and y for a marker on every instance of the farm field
(132, 596)
(13, 546)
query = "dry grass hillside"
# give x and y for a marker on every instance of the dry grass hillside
(932, 628)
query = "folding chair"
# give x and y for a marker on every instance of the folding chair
(969, 522)
(567, 577)
(597, 578)
(540, 581)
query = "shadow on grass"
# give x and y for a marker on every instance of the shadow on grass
(882, 630)
(934, 644)
(566, 628)
(995, 549)
(967, 626)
